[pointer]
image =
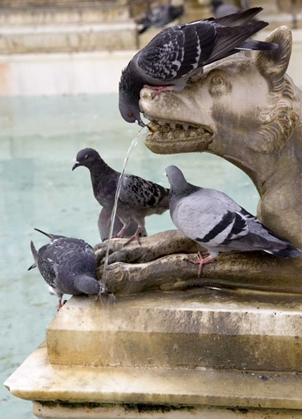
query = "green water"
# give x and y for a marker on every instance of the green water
(39, 139)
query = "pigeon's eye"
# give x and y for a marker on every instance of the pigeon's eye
(130, 114)
(86, 156)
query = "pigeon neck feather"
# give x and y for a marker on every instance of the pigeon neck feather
(131, 82)
(183, 188)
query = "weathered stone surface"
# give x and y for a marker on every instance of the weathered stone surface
(68, 38)
(197, 328)
(140, 390)
(161, 263)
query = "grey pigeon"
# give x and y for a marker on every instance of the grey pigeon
(221, 9)
(159, 16)
(177, 53)
(138, 198)
(215, 221)
(68, 265)
(104, 222)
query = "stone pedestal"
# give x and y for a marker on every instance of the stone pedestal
(194, 354)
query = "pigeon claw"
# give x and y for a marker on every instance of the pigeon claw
(201, 261)
(135, 236)
(158, 89)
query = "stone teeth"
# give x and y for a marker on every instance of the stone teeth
(172, 125)
(170, 135)
(185, 126)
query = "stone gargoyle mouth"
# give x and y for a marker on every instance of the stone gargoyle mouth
(166, 137)
(169, 133)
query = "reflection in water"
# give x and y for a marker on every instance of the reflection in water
(39, 140)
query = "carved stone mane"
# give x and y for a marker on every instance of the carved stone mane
(283, 113)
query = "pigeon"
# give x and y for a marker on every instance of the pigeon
(221, 9)
(159, 16)
(68, 265)
(138, 198)
(104, 222)
(176, 53)
(215, 221)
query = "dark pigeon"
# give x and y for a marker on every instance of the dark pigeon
(159, 16)
(174, 55)
(68, 265)
(104, 222)
(138, 198)
(218, 223)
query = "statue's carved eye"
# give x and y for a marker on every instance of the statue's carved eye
(220, 83)
(217, 81)
(130, 114)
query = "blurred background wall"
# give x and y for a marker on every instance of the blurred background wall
(28, 26)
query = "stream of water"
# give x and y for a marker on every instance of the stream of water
(117, 194)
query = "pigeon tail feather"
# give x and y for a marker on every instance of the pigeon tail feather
(49, 235)
(289, 252)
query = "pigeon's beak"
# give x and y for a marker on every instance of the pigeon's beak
(139, 122)
(32, 266)
(76, 165)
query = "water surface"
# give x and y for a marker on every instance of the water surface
(39, 140)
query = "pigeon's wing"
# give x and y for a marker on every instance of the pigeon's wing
(177, 51)
(140, 194)
(47, 265)
(210, 219)
(71, 257)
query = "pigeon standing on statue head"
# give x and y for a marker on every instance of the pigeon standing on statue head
(138, 198)
(68, 265)
(159, 16)
(215, 221)
(174, 55)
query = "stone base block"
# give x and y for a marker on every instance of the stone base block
(88, 392)
(192, 329)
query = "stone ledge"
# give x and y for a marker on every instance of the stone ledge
(68, 38)
(37, 380)
(196, 328)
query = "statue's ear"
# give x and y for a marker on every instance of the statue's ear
(273, 64)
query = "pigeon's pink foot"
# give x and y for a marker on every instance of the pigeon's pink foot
(59, 304)
(202, 261)
(135, 236)
(158, 89)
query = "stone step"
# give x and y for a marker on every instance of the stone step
(87, 392)
(67, 38)
(219, 329)
(32, 16)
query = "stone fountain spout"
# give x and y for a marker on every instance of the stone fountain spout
(247, 110)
